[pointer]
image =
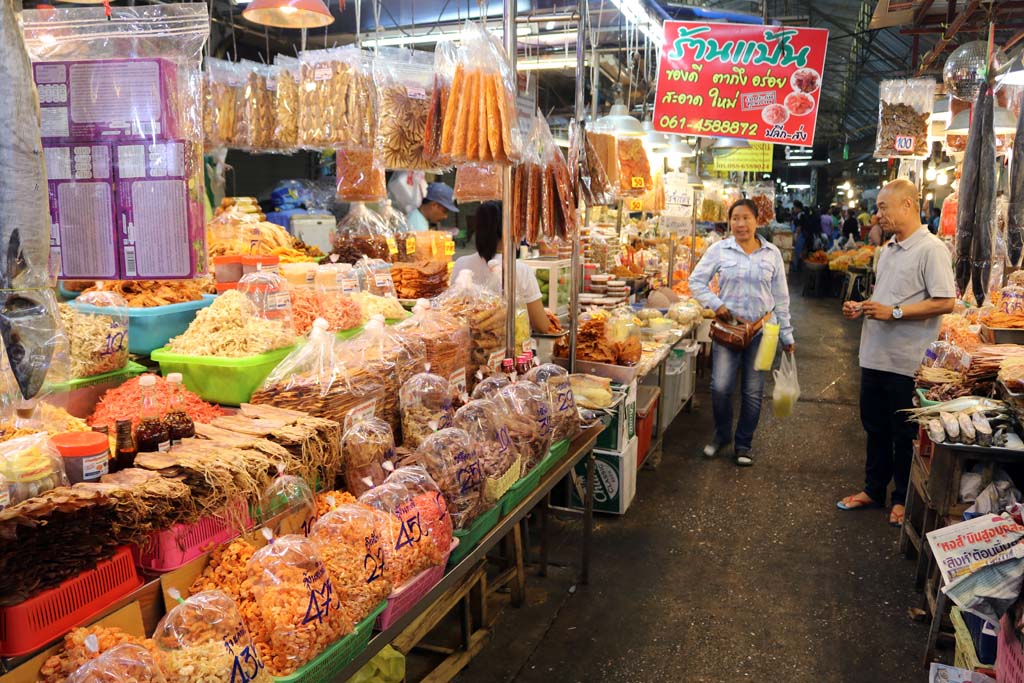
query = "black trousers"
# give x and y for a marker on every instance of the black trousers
(890, 434)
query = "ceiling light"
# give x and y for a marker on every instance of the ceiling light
(941, 178)
(930, 174)
(546, 64)
(928, 197)
(846, 185)
(799, 163)
(800, 186)
(619, 121)
(289, 13)
(853, 205)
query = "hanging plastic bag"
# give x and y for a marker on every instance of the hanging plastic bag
(484, 312)
(478, 183)
(350, 540)
(294, 613)
(126, 663)
(417, 532)
(205, 638)
(367, 446)
(398, 230)
(787, 387)
(528, 419)
(593, 178)
(453, 462)
(361, 233)
(500, 461)
(904, 108)
(286, 104)
(261, 86)
(767, 347)
(337, 100)
(226, 117)
(565, 420)
(426, 403)
(445, 58)
(97, 336)
(446, 340)
(405, 84)
(763, 195)
(286, 505)
(360, 175)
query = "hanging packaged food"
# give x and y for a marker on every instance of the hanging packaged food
(375, 277)
(904, 108)
(260, 104)
(528, 419)
(368, 444)
(565, 421)
(337, 100)
(125, 663)
(228, 119)
(360, 233)
(453, 462)
(360, 174)
(763, 195)
(97, 335)
(205, 638)
(446, 341)
(426, 404)
(478, 182)
(286, 505)
(634, 167)
(405, 84)
(294, 613)
(350, 540)
(484, 313)
(500, 461)
(480, 120)
(286, 103)
(417, 532)
(445, 58)
(592, 177)
(314, 379)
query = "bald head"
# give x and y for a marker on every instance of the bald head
(898, 207)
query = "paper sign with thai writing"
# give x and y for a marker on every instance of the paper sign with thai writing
(731, 80)
(756, 158)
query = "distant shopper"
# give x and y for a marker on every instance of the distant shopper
(915, 286)
(802, 230)
(435, 208)
(752, 282)
(827, 225)
(851, 226)
(933, 223)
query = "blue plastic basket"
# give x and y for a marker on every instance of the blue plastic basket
(152, 328)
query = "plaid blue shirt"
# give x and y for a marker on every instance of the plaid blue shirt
(750, 285)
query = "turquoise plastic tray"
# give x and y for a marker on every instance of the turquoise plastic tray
(151, 328)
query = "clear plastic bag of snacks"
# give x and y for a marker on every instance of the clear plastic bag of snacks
(417, 534)
(361, 233)
(204, 638)
(499, 459)
(446, 340)
(398, 228)
(484, 313)
(97, 340)
(405, 84)
(426, 404)
(29, 466)
(763, 195)
(565, 421)
(478, 182)
(368, 447)
(268, 292)
(445, 57)
(390, 357)
(593, 179)
(360, 174)
(286, 114)
(350, 540)
(453, 462)
(375, 277)
(260, 105)
(226, 118)
(480, 122)
(292, 610)
(315, 379)
(946, 354)
(287, 505)
(904, 107)
(528, 419)
(490, 386)
(125, 663)
(337, 100)
(625, 335)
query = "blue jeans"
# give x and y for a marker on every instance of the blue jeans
(725, 365)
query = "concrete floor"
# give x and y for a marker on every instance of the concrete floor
(720, 574)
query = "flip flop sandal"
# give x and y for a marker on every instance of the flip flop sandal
(851, 503)
(896, 519)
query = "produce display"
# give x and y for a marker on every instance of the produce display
(230, 328)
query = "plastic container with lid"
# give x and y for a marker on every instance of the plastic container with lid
(302, 274)
(86, 455)
(227, 269)
(250, 264)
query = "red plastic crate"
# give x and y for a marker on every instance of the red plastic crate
(408, 594)
(30, 625)
(1009, 659)
(645, 416)
(175, 547)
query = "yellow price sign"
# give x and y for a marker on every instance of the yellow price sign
(410, 245)
(636, 204)
(392, 245)
(449, 248)
(451, 267)
(637, 182)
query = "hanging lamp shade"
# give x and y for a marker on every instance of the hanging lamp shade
(289, 13)
(619, 122)
(960, 124)
(729, 144)
(1002, 121)
(653, 140)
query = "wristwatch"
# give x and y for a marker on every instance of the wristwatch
(897, 312)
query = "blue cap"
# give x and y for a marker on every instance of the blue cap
(442, 194)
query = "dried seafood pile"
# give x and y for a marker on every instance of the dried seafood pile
(420, 280)
(901, 122)
(594, 345)
(347, 388)
(144, 502)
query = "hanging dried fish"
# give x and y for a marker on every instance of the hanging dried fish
(985, 199)
(1015, 221)
(966, 210)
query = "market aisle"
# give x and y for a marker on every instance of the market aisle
(718, 574)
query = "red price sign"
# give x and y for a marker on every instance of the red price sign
(731, 80)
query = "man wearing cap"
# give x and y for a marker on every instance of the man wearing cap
(434, 209)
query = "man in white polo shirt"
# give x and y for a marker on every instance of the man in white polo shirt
(915, 286)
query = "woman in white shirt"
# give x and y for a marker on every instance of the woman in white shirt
(486, 266)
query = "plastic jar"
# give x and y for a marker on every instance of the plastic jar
(250, 264)
(227, 268)
(86, 455)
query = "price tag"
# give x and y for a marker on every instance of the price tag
(322, 72)
(451, 267)
(904, 144)
(494, 362)
(410, 245)
(636, 204)
(392, 246)
(362, 411)
(383, 280)
(449, 248)
(416, 93)
(349, 284)
(637, 182)
(458, 380)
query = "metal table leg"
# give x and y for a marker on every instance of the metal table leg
(588, 520)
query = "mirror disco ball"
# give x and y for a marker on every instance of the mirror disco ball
(964, 71)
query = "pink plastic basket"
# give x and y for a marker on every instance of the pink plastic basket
(412, 591)
(1009, 659)
(172, 548)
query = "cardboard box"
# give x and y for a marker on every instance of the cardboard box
(614, 480)
(616, 435)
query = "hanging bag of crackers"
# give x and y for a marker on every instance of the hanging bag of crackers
(405, 84)
(286, 104)
(226, 119)
(904, 107)
(260, 95)
(446, 56)
(480, 116)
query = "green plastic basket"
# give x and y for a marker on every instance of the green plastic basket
(230, 381)
(326, 667)
(471, 537)
(520, 490)
(559, 450)
(131, 369)
(348, 334)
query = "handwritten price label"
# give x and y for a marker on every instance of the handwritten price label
(637, 182)
(636, 204)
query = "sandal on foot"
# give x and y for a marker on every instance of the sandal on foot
(896, 515)
(857, 501)
(743, 459)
